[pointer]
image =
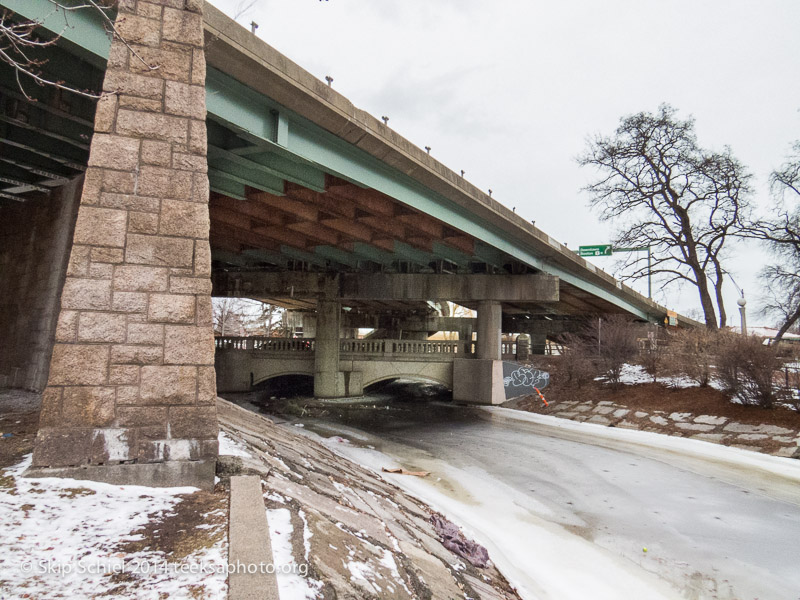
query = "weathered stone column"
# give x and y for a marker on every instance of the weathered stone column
(132, 385)
(326, 349)
(490, 318)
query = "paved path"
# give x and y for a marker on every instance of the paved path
(713, 528)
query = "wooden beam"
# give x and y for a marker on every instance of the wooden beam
(245, 223)
(230, 237)
(285, 204)
(315, 232)
(370, 200)
(249, 208)
(463, 243)
(422, 224)
(320, 201)
(352, 229)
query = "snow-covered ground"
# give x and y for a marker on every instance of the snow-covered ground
(61, 539)
(635, 374)
(292, 584)
(231, 447)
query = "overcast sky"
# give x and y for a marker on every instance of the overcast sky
(509, 90)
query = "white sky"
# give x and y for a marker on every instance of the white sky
(509, 90)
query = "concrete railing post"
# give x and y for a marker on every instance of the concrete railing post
(132, 384)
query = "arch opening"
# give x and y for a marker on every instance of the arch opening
(287, 385)
(409, 388)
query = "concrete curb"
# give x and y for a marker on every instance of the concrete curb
(248, 543)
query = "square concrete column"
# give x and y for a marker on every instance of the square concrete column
(131, 391)
(490, 317)
(538, 343)
(326, 350)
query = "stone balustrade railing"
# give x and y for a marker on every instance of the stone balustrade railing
(406, 347)
(267, 344)
(373, 348)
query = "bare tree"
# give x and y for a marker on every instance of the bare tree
(23, 43)
(267, 321)
(666, 192)
(230, 316)
(781, 233)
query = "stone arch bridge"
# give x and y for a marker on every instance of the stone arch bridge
(242, 363)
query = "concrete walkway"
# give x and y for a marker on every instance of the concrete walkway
(249, 544)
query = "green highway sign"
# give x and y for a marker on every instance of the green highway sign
(596, 250)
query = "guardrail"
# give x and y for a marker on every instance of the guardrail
(376, 348)
(266, 344)
(407, 347)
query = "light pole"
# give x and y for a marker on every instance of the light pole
(741, 302)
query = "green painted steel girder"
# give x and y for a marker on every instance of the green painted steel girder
(411, 254)
(259, 254)
(222, 166)
(307, 257)
(223, 183)
(337, 255)
(272, 167)
(373, 254)
(452, 255)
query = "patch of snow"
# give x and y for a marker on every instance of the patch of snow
(360, 573)
(63, 534)
(283, 465)
(275, 497)
(388, 562)
(635, 374)
(307, 534)
(231, 447)
(341, 488)
(291, 584)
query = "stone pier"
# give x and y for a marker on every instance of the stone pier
(327, 378)
(131, 391)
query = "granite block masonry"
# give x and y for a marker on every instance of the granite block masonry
(132, 387)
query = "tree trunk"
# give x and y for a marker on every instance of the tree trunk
(705, 298)
(694, 263)
(789, 322)
(723, 317)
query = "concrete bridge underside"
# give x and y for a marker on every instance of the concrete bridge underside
(216, 161)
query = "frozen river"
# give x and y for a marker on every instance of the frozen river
(570, 510)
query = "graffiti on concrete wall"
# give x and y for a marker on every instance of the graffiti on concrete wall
(519, 380)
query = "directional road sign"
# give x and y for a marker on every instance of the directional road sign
(596, 250)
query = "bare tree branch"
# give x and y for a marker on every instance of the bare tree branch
(21, 45)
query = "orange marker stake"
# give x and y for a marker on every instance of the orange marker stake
(541, 396)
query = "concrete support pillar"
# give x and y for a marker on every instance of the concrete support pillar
(326, 349)
(538, 343)
(131, 393)
(490, 317)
